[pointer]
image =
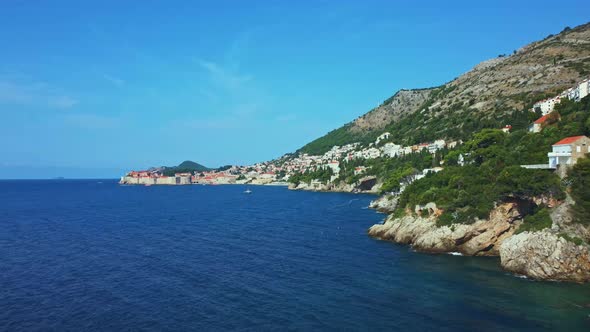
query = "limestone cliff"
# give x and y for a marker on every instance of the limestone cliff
(385, 203)
(545, 255)
(367, 185)
(400, 104)
(482, 238)
(539, 255)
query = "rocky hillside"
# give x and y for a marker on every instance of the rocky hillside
(400, 104)
(484, 97)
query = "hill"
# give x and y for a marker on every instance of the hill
(485, 97)
(192, 166)
(185, 167)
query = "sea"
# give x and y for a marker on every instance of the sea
(92, 255)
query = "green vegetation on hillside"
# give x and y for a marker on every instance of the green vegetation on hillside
(493, 173)
(385, 168)
(323, 175)
(185, 167)
(429, 123)
(536, 222)
(580, 190)
(340, 136)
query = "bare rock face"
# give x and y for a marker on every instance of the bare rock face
(482, 238)
(544, 255)
(563, 221)
(402, 103)
(368, 185)
(385, 203)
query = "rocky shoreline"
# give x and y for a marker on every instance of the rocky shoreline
(367, 185)
(542, 255)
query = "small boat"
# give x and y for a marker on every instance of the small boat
(247, 191)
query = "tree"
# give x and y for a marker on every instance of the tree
(486, 145)
(580, 190)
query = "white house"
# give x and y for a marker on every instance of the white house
(359, 170)
(584, 88)
(391, 149)
(461, 160)
(577, 92)
(439, 144)
(371, 153)
(335, 166)
(426, 171)
(382, 137)
(546, 106)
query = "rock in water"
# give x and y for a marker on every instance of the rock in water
(385, 203)
(544, 255)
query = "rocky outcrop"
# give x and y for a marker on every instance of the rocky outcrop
(315, 186)
(545, 255)
(368, 185)
(385, 204)
(539, 255)
(402, 103)
(563, 221)
(482, 238)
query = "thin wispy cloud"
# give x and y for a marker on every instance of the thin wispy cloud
(224, 76)
(91, 121)
(113, 80)
(34, 94)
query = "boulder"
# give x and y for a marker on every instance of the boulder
(545, 255)
(386, 203)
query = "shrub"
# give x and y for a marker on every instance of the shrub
(575, 240)
(536, 222)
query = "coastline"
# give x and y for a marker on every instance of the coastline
(538, 255)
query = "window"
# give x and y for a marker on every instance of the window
(578, 148)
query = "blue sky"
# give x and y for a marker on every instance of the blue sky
(91, 89)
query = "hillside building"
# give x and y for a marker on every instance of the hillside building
(546, 106)
(537, 126)
(568, 151)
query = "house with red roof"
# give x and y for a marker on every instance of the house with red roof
(568, 151)
(536, 126)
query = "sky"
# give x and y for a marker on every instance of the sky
(92, 89)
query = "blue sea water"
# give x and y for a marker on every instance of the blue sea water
(92, 255)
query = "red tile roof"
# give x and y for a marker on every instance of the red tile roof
(569, 140)
(542, 119)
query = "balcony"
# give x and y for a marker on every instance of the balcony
(559, 154)
(538, 166)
